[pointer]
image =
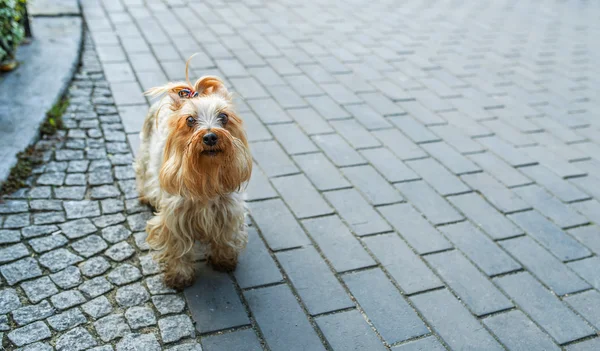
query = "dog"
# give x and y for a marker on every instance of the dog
(192, 167)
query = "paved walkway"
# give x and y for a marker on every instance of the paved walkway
(426, 179)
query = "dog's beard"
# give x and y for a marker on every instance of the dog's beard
(203, 173)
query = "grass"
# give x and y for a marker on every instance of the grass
(54, 120)
(28, 159)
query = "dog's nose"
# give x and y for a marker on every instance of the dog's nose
(210, 139)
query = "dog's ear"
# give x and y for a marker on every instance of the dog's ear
(208, 85)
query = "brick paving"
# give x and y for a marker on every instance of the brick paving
(425, 179)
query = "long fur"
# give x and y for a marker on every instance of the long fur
(196, 189)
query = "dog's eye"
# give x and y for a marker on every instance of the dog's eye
(223, 118)
(191, 121)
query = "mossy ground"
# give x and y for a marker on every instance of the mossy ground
(28, 159)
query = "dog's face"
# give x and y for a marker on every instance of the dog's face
(206, 153)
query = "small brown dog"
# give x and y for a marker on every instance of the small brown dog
(192, 165)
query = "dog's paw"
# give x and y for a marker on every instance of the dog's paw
(222, 266)
(178, 282)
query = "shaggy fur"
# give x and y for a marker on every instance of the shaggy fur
(195, 188)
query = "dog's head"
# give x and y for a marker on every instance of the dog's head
(206, 153)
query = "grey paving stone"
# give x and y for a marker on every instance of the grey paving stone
(406, 268)
(48, 217)
(98, 307)
(438, 177)
(255, 266)
(471, 286)
(156, 285)
(46, 205)
(506, 151)
(549, 235)
(427, 201)
(451, 159)
(81, 209)
(416, 131)
(38, 230)
(120, 251)
(70, 192)
(249, 88)
(310, 121)
(303, 199)
(349, 331)
(338, 150)
(587, 270)
(455, 325)
(588, 345)
(242, 340)
(174, 328)
(590, 209)
(47, 243)
(67, 278)
(287, 330)
(89, 246)
(322, 173)
(138, 342)
(429, 343)
(124, 274)
(13, 206)
(115, 234)
(381, 104)
(588, 236)
(38, 346)
(67, 320)
(76, 339)
(39, 289)
(269, 111)
(497, 194)
(95, 287)
(166, 304)
(355, 134)
(549, 160)
(286, 97)
(356, 212)
(139, 317)
(9, 236)
(58, 259)
(9, 300)
(30, 333)
(67, 299)
(132, 295)
(18, 221)
(339, 247)
(544, 308)
(366, 115)
(389, 165)
(586, 304)
(149, 265)
(372, 185)
(137, 222)
(292, 138)
(259, 187)
(108, 220)
(500, 170)
(214, 303)
(546, 267)
(411, 225)
(385, 306)
(400, 145)
(327, 107)
(272, 218)
(457, 138)
(111, 327)
(550, 206)
(32, 313)
(480, 249)
(272, 159)
(485, 216)
(518, 332)
(77, 228)
(13, 252)
(312, 279)
(24, 269)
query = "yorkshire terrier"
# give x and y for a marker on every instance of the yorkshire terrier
(192, 167)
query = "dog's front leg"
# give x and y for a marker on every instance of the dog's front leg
(226, 246)
(174, 252)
